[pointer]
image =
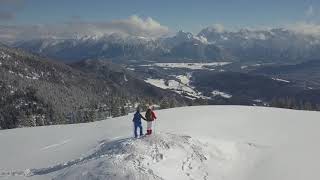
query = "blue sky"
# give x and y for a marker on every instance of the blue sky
(189, 15)
(60, 17)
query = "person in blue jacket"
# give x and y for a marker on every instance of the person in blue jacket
(137, 123)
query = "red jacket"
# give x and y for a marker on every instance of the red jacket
(154, 117)
(150, 115)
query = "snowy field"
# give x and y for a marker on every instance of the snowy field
(192, 66)
(205, 142)
(222, 94)
(174, 85)
(182, 86)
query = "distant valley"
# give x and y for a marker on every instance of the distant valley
(36, 91)
(49, 81)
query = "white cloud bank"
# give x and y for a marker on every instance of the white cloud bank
(218, 27)
(134, 25)
(305, 28)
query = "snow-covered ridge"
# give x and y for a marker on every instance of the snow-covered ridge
(220, 45)
(153, 158)
(205, 142)
(149, 157)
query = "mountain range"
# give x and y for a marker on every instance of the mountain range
(210, 44)
(56, 81)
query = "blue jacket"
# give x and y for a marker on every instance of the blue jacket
(137, 118)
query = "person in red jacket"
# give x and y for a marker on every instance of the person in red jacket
(150, 117)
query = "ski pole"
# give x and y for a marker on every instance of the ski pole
(154, 126)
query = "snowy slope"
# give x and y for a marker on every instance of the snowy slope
(207, 142)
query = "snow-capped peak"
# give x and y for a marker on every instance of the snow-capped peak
(202, 39)
(217, 28)
(88, 37)
(184, 35)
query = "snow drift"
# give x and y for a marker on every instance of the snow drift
(163, 156)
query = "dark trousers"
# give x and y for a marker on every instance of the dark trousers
(136, 126)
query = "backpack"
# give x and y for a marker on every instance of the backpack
(149, 115)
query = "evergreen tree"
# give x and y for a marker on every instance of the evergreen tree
(123, 111)
(173, 103)
(115, 108)
(308, 106)
(164, 104)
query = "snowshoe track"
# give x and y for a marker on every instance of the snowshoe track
(140, 159)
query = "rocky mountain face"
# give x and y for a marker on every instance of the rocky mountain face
(36, 91)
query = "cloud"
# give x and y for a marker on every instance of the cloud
(138, 26)
(134, 25)
(218, 28)
(305, 28)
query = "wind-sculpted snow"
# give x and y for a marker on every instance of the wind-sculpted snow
(162, 156)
